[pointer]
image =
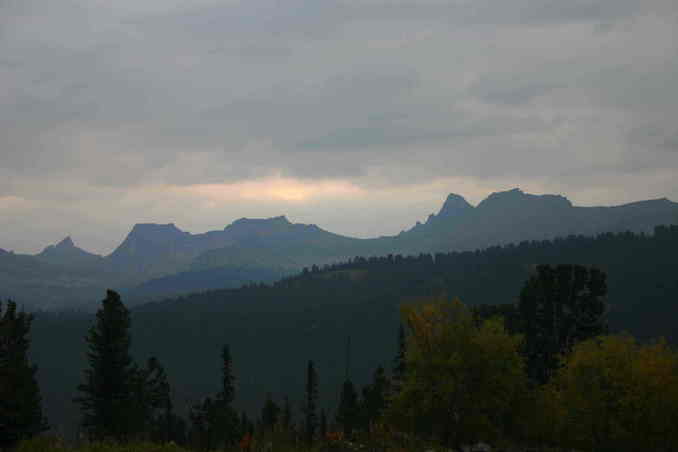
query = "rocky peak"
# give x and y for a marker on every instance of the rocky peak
(454, 204)
(65, 243)
(65, 252)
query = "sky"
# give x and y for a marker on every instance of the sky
(359, 116)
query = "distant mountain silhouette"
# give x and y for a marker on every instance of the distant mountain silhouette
(66, 253)
(513, 216)
(152, 250)
(265, 247)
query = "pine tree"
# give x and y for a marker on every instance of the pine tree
(269, 413)
(374, 398)
(348, 411)
(168, 426)
(20, 401)
(203, 421)
(107, 400)
(287, 414)
(214, 421)
(244, 424)
(311, 403)
(560, 306)
(399, 364)
(227, 417)
(151, 393)
(227, 394)
(323, 425)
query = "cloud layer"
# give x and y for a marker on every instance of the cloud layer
(358, 115)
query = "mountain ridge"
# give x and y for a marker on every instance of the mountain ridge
(275, 245)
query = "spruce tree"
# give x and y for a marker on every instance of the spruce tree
(227, 394)
(107, 401)
(214, 421)
(560, 306)
(348, 411)
(203, 417)
(151, 394)
(269, 413)
(311, 403)
(374, 398)
(244, 424)
(323, 425)
(287, 414)
(226, 417)
(399, 363)
(20, 401)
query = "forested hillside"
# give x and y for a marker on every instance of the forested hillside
(274, 329)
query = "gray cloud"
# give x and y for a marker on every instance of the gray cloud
(101, 102)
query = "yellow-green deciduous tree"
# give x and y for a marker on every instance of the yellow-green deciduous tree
(613, 394)
(462, 379)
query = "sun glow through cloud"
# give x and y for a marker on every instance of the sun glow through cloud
(274, 189)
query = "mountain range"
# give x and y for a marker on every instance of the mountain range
(158, 260)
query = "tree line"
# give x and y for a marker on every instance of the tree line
(549, 320)
(542, 372)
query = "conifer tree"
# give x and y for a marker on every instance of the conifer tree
(168, 426)
(151, 393)
(244, 424)
(227, 394)
(311, 403)
(226, 417)
(399, 364)
(286, 414)
(203, 422)
(348, 411)
(323, 424)
(269, 413)
(20, 401)
(107, 400)
(560, 306)
(374, 398)
(214, 421)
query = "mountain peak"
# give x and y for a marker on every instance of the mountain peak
(65, 243)
(65, 252)
(454, 204)
(156, 232)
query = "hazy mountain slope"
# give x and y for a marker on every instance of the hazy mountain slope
(65, 253)
(201, 280)
(290, 246)
(36, 284)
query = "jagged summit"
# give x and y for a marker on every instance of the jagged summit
(66, 243)
(64, 246)
(453, 205)
(66, 252)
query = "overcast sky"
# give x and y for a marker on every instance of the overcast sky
(356, 115)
